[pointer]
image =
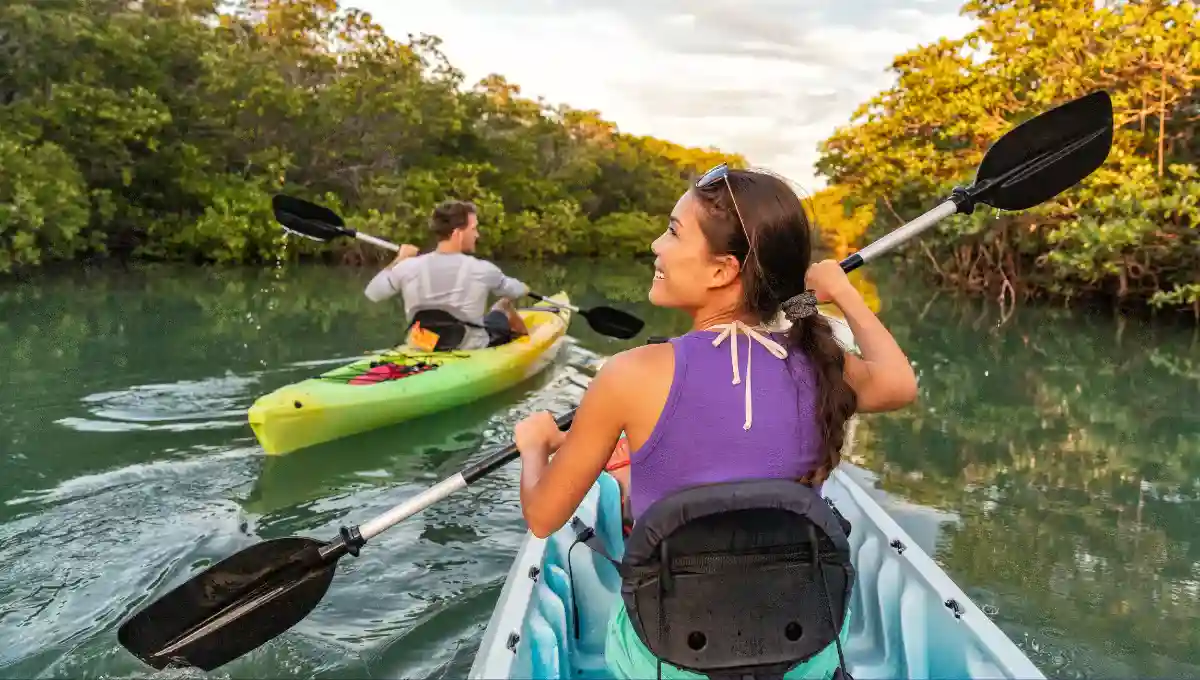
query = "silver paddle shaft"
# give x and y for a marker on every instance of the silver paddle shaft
(412, 506)
(909, 231)
(376, 241)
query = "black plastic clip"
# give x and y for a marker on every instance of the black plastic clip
(353, 539)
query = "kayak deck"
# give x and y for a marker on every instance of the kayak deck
(907, 618)
(348, 400)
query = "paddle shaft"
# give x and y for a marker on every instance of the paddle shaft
(552, 303)
(901, 235)
(449, 485)
(376, 241)
(373, 240)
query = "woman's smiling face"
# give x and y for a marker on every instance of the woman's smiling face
(685, 270)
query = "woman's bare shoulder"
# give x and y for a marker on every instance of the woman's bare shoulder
(641, 360)
(637, 366)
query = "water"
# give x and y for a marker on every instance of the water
(1050, 467)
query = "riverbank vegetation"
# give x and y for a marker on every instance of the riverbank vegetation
(1129, 232)
(160, 129)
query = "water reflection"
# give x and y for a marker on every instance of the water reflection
(1051, 466)
(1071, 451)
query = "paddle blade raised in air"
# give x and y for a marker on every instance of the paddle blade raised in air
(307, 219)
(232, 607)
(1046, 155)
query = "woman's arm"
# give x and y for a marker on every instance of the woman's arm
(882, 378)
(551, 489)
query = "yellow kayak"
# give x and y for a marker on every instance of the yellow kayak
(403, 383)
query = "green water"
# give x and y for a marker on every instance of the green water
(1051, 467)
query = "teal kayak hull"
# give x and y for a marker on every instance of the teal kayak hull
(901, 623)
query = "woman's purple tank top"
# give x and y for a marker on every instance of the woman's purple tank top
(701, 437)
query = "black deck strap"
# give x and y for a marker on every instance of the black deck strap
(826, 595)
(586, 535)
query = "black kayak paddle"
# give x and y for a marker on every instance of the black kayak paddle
(246, 599)
(258, 593)
(316, 222)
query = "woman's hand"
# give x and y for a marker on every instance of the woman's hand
(828, 281)
(537, 436)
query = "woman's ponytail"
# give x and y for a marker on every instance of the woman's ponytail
(836, 401)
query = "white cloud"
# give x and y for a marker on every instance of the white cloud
(765, 78)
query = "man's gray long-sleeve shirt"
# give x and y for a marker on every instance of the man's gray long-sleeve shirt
(455, 282)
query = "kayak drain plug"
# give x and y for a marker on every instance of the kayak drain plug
(297, 404)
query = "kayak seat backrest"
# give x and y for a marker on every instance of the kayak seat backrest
(738, 579)
(449, 328)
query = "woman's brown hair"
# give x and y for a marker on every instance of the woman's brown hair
(775, 250)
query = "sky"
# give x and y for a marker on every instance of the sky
(768, 79)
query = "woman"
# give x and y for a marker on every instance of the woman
(736, 253)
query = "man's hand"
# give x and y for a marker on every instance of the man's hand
(406, 251)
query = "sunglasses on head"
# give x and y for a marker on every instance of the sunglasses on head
(716, 174)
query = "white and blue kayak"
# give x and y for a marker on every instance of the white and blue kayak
(909, 618)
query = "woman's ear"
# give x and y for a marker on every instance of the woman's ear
(725, 271)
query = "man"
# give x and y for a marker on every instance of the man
(450, 280)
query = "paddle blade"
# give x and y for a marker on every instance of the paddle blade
(308, 219)
(613, 322)
(232, 607)
(1046, 155)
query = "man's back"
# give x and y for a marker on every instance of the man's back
(454, 282)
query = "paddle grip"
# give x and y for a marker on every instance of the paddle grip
(504, 456)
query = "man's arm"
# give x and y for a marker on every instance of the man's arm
(501, 285)
(387, 282)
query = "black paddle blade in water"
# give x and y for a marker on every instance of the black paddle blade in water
(232, 607)
(1046, 155)
(613, 322)
(308, 219)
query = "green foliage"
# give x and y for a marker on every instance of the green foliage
(840, 225)
(160, 129)
(43, 204)
(1129, 231)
